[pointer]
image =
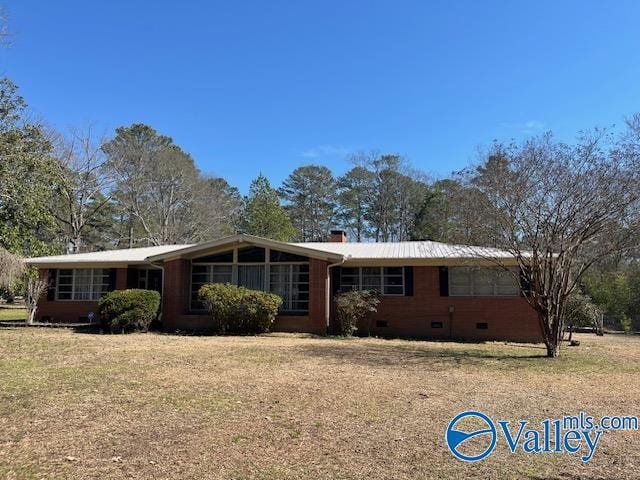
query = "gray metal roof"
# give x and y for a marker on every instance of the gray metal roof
(407, 250)
(348, 252)
(125, 255)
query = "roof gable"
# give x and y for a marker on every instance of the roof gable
(243, 239)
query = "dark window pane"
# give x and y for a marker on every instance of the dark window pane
(200, 278)
(277, 256)
(393, 281)
(302, 295)
(224, 257)
(300, 306)
(251, 255)
(393, 270)
(393, 290)
(301, 277)
(370, 271)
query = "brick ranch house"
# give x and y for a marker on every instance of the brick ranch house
(429, 289)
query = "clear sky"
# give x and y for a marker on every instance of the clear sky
(250, 86)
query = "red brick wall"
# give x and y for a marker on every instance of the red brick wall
(69, 311)
(508, 318)
(411, 316)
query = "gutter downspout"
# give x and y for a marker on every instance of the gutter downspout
(327, 296)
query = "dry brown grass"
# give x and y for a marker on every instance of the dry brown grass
(287, 407)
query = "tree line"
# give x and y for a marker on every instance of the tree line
(78, 192)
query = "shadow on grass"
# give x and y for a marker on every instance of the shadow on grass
(411, 352)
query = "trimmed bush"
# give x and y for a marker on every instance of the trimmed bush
(238, 309)
(352, 307)
(128, 310)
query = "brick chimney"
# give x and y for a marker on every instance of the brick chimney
(338, 236)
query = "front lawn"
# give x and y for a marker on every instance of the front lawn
(10, 314)
(78, 405)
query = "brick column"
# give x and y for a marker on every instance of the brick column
(121, 279)
(317, 295)
(176, 295)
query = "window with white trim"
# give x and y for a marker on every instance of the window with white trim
(386, 280)
(82, 283)
(483, 282)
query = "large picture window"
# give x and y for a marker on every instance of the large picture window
(386, 280)
(483, 282)
(203, 274)
(82, 283)
(282, 273)
(291, 282)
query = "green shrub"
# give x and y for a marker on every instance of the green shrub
(353, 306)
(238, 309)
(128, 310)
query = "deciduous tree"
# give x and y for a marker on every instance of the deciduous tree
(161, 191)
(558, 209)
(83, 185)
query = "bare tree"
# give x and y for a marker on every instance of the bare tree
(83, 184)
(162, 192)
(35, 286)
(11, 268)
(558, 209)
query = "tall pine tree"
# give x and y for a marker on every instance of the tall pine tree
(310, 195)
(263, 215)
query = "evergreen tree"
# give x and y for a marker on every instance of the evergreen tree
(26, 225)
(310, 193)
(355, 190)
(263, 215)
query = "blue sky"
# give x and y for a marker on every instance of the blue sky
(250, 86)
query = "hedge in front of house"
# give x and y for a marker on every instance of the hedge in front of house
(128, 310)
(238, 309)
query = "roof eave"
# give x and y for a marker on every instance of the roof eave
(241, 238)
(85, 264)
(430, 262)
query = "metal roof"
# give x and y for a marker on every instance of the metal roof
(125, 255)
(350, 252)
(406, 250)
